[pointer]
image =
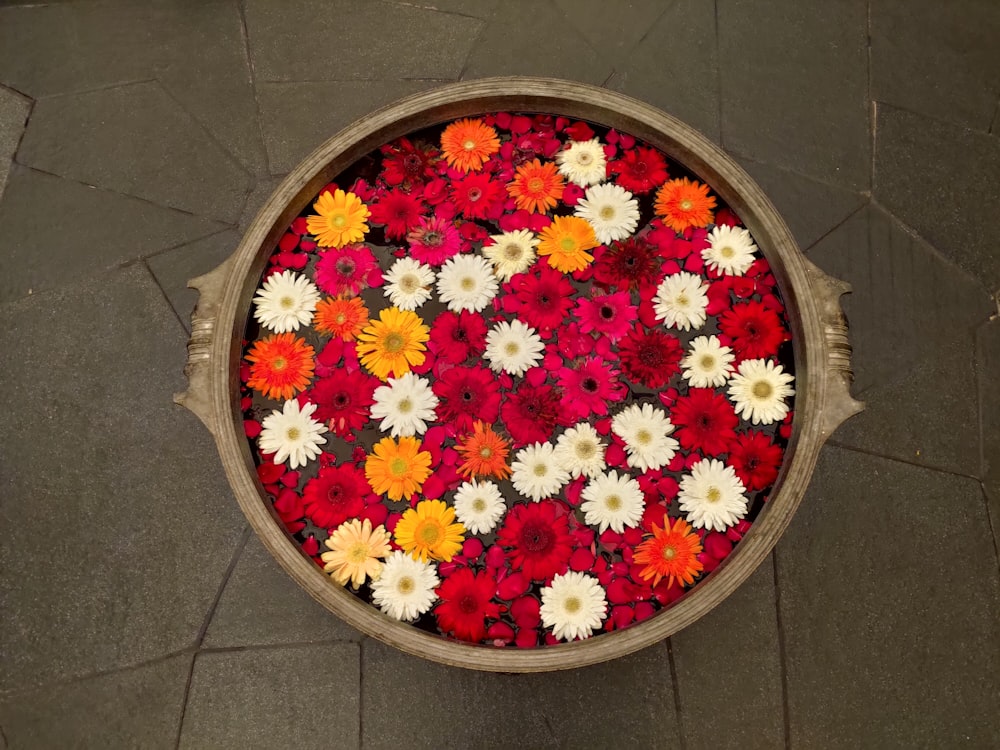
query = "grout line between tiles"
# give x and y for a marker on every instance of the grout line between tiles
(718, 73)
(432, 9)
(872, 119)
(184, 700)
(837, 226)
(245, 33)
(786, 714)
(96, 89)
(991, 524)
(166, 298)
(272, 646)
(897, 459)
(682, 739)
(484, 24)
(191, 241)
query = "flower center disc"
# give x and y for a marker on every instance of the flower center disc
(572, 605)
(405, 406)
(293, 433)
(479, 505)
(405, 585)
(409, 283)
(468, 284)
(540, 470)
(536, 185)
(762, 389)
(643, 437)
(707, 362)
(607, 213)
(429, 534)
(358, 553)
(287, 303)
(393, 342)
(669, 553)
(398, 467)
(713, 495)
(513, 252)
(339, 220)
(613, 502)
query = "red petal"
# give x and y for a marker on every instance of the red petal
(512, 586)
(310, 546)
(581, 560)
(251, 428)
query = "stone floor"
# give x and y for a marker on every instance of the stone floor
(138, 139)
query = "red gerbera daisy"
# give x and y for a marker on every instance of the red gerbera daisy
(476, 196)
(398, 211)
(345, 271)
(650, 356)
(756, 330)
(611, 314)
(342, 401)
(466, 394)
(640, 170)
(337, 494)
(705, 421)
(632, 264)
(531, 413)
(466, 604)
(404, 163)
(538, 538)
(588, 387)
(755, 459)
(455, 337)
(434, 240)
(542, 298)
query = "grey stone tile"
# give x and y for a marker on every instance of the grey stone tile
(372, 40)
(547, 46)
(925, 170)
(890, 601)
(117, 523)
(677, 72)
(136, 140)
(624, 703)
(474, 8)
(302, 697)
(54, 231)
(263, 605)
(262, 190)
(729, 671)
(14, 110)
(132, 708)
(298, 117)
(174, 268)
(911, 318)
(794, 86)
(988, 366)
(616, 28)
(939, 60)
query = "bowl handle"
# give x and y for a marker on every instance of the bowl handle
(200, 366)
(838, 404)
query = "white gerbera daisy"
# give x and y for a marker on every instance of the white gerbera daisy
(645, 429)
(405, 589)
(708, 364)
(292, 434)
(511, 252)
(712, 496)
(285, 301)
(536, 473)
(405, 405)
(408, 283)
(731, 250)
(466, 282)
(583, 162)
(479, 506)
(513, 347)
(612, 501)
(759, 389)
(681, 300)
(579, 451)
(573, 605)
(611, 211)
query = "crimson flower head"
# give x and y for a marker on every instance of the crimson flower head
(531, 413)
(342, 401)
(335, 495)
(455, 337)
(404, 163)
(629, 265)
(640, 170)
(398, 211)
(705, 421)
(650, 356)
(589, 387)
(755, 330)
(611, 315)
(537, 536)
(467, 394)
(466, 604)
(477, 196)
(755, 459)
(543, 298)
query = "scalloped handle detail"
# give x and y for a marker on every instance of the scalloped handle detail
(838, 405)
(200, 366)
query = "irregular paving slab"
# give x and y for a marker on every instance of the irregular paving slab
(616, 28)
(372, 40)
(795, 86)
(925, 170)
(261, 604)
(940, 60)
(14, 110)
(988, 366)
(632, 696)
(890, 601)
(116, 522)
(138, 141)
(296, 697)
(55, 231)
(138, 707)
(729, 671)
(912, 316)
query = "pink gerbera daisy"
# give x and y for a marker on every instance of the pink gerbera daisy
(346, 271)
(434, 240)
(543, 298)
(611, 314)
(455, 337)
(398, 211)
(588, 387)
(467, 394)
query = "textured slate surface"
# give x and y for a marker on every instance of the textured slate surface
(988, 362)
(616, 28)
(14, 110)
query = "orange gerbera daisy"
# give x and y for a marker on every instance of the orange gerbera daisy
(671, 553)
(341, 317)
(467, 144)
(398, 470)
(566, 241)
(683, 203)
(429, 531)
(341, 219)
(393, 343)
(536, 187)
(485, 453)
(280, 366)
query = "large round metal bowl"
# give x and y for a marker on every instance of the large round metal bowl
(821, 352)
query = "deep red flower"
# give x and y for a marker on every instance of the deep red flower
(755, 330)
(538, 538)
(531, 413)
(589, 387)
(335, 495)
(477, 196)
(543, 298)
(629, 265)
(755, 459)
(650, 356)
(705, 421)
(611, 315)
(640, 170)
(466, 394)
(404, 163)
(455, 337)
(466, 604)
(347, 270)
(398, 211)
(434, 240)
(342, 401)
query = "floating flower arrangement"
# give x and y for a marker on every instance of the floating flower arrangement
(517, 380)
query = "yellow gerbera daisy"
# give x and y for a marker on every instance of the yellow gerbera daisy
(397, 469)
(393, 343)
(341, 219)
(430, 531)
(566, 241)
(356, 552)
